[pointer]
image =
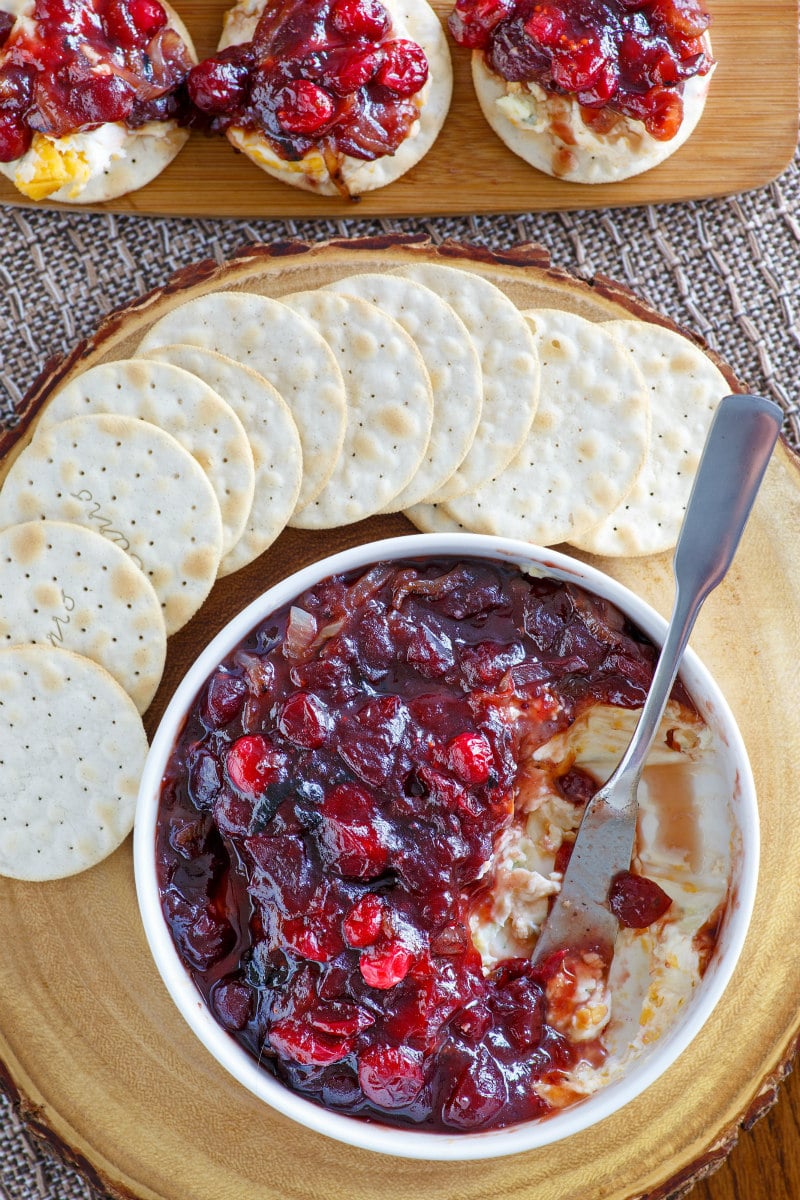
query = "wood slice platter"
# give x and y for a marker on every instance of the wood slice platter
(746, 138)
(104, 1069)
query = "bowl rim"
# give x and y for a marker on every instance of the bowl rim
(369, 1135)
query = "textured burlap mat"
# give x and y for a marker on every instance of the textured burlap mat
(728, 269)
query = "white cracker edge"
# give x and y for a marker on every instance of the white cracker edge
(273, 435)
(243, 326)
(649, 518)
(352, 493)
(509, 362)
(452, 363)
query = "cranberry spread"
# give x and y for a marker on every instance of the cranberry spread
(623, 56)
(326, 74)
(78, 64)
(327, 823)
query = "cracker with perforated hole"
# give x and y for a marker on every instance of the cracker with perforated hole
(586, 446)
(274, 441)
(510, 365)
(287, 350)
(451, 361)
(685, 388)
(70, 588)
(180, 404)
(389, 408)
(137, 486)
(72, 749)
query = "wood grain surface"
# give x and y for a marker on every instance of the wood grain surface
(103, 1068)
(745, 139)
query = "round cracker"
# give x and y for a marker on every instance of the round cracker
(411, 19)
(123, 159)
(389, 408)
(284, 347)
(685, 389)
(588, 157)
(586, 446)
(72, 748)
(274, 441)
(137, 486)
(183, 406)
(70, 588)
(452, 363)
(507, 353)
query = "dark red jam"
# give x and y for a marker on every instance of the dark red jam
(326, 74)
(622, 56)
(79, 64)
(328, 813)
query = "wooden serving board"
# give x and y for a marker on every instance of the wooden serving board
(104, 1069)
(746, 138)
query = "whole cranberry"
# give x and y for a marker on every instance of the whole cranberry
(252, 763)
(15, 136)
(233, 1003)
(304, 107)
(384, 967)
(363, 923)
(132, 23)
(404, 68)
(470, 757)
(224, 699)
(344, 71)
(304, 720)
(360, 19)
(390, 1076)
(472, 21)
(217, 85)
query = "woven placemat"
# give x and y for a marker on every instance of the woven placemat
(728, 269)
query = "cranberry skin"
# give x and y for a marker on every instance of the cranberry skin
(304, 720)
(471, 23)
(345, 71)
(304, 107)
(301, 1043)
(386, 966)
(252, 763)
(351, 837)
(132, 23)
(479, 1095)
(404, 69)
(224, 699)
(363, 923)
(470, 757)
(217, 86)
(635, 901)
(390, 1076)
(360, 19)
(15, 137)
(340, 1018)
(233, 1003)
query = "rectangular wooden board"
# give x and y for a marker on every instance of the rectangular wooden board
(746, 137)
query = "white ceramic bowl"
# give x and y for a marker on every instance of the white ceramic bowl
(528, 1135)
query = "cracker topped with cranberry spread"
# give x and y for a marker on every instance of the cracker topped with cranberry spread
(335, 96)
(592, 91)
(89, 104)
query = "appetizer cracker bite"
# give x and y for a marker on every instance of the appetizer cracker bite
(88, 104)
(589, 92)
(335, 96)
